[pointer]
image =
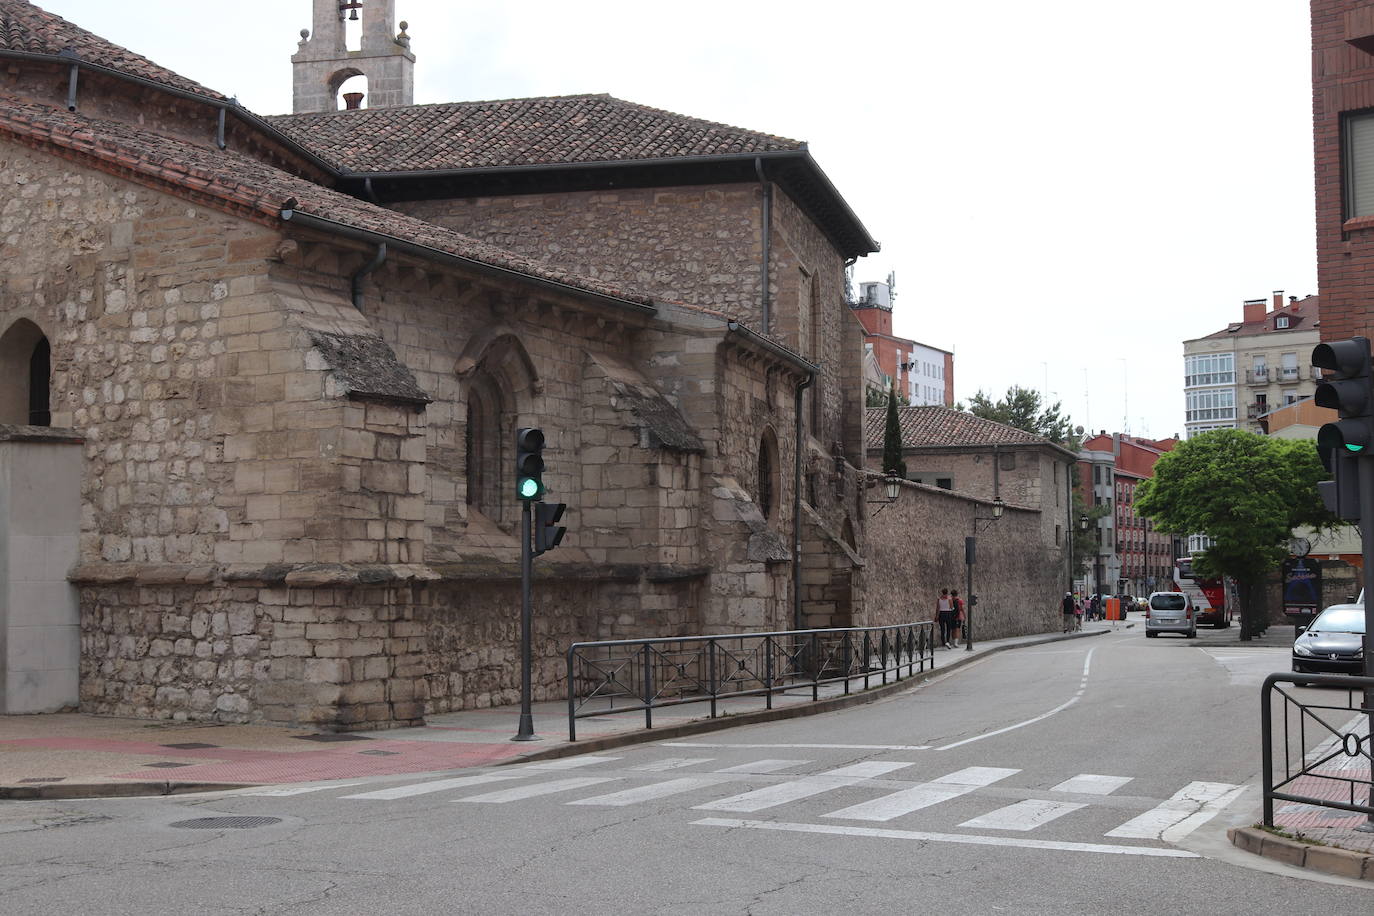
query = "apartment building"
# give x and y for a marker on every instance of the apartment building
(924, 374)
(1235, 376)
(1131, 556)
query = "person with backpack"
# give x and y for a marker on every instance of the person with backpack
(958, 613)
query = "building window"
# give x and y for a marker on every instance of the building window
(1290, 367)
(1281, 322)
(25, 376)
(944, 483)
(1358, 165)
(766, 491)
(482, 441)
(1210, 369)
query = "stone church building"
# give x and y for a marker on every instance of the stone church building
(259, 379)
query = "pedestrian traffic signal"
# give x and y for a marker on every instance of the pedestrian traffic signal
(1348, 388)
(1341, 494)
(529, 463)
(547, 532)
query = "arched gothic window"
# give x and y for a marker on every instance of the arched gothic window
(483, 442)
(766, 490)
(25, 375)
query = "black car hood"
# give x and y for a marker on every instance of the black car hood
(1324, 643)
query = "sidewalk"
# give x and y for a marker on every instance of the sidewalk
(72, 755)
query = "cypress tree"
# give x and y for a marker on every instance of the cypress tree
(893, 464)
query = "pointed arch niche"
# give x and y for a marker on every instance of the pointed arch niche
(499, 385)
(25, 375)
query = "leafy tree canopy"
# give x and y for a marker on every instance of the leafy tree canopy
(1023, 409)
(1246, 491)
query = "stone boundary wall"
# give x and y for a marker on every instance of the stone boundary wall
(915, 547)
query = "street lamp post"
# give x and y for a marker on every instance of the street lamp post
(1083, 527)
(970, 557)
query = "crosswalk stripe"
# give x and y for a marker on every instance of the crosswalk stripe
(537, 789)
(1189, 808)
(764, 766)
(1092, 784)
(438, 785)
(1025, 815)
(300, 790)
(650, 792)
(964, 838)
(566, 763)
(797, 789)
(960, 782)
(670, 763)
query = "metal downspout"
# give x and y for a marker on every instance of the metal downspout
(219, 131)
(796, 504)
(767, 239)
(357, 281)
(71, 81)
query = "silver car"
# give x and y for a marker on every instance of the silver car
(1170, 612)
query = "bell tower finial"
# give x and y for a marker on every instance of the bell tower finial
(323, 61)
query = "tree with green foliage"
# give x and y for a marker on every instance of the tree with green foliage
(1245, 491)
(1023, 409)
(893, 464)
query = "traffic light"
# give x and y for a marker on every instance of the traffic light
(1341, 494)
(547, 532)
(529, 463)
(1348, 387)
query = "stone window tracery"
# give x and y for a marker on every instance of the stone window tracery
(766, 489)
(482, 441)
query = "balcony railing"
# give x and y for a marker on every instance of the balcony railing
(1259, 377)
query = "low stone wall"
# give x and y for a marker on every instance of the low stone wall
(349, 656)
(915, 547)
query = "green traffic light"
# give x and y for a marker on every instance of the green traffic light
(529, 488)
(1354, 448)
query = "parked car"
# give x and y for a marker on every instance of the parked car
(1170, 612)
(1333, 643)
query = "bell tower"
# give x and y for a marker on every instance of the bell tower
(324, 62)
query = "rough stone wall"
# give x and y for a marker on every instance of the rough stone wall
(916, 547)
(699, 244)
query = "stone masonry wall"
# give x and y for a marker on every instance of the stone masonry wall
(916, 547)
(697, 244)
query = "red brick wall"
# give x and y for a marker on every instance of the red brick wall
(1342, 81)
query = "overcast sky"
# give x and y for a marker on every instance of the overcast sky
(1066, 191)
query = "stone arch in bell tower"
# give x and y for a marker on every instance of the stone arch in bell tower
(383, 57)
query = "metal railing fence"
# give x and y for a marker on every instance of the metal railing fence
(641, 675)
(1336, 772)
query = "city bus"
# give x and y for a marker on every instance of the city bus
(1207, 595)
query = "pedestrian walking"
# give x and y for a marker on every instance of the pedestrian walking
(1068, 610)
(944, 616)
(958, 613)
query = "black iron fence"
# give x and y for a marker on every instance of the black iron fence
(641, 675)
(1323, 739)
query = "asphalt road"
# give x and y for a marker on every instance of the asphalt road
(1095, 776)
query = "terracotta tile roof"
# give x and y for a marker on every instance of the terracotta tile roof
(25, 27)
(248, 185)
(924, 427)
(516, 132)
(1303, 315)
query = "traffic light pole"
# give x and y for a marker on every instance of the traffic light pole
(526, 730)
(1366, 465)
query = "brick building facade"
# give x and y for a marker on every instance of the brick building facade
(1343, 136)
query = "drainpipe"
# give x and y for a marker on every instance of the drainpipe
(767, 323)
(219, 131)
(357, 280)
(796, 503)
(71, 77)
(996, 473)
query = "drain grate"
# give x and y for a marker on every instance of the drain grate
(226, 823)
(380, 753)
(335, 736)
(190, 746)
(44, 779)
(167, 765)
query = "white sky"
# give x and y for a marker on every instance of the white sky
(1066, 190)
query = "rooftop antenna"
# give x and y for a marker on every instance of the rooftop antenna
(892, 285)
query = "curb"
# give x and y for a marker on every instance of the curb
(700, 726)
(114, 789)
(1332, 860)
